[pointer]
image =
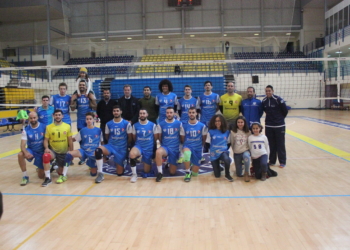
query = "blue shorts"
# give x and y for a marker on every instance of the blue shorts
(38, 158)
(91, 160)
(173, 156)
(81, 124)
(120, 155)
(196, 156)
(146, 155)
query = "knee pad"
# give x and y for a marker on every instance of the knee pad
(46, 158)
(68, 158)
(121, 173)
(98, 154)
(187, 156)
(133, 162)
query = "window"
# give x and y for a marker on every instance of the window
(346, 16)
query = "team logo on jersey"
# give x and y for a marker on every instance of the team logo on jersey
(149, 131)
(85, 136)
(64, 132)
(30, 136)
(205, 168)
(96, 136)
(138, 131)
(171, 100)
(164, 130)
(199, 131)
(214, 137)
(203, 101)
(41, 133)
(123, 129)
(176, 129)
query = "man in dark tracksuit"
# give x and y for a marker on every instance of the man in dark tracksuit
(129, 105)
(105, 111)
(148, 103)
(251, 107)
(276, 110)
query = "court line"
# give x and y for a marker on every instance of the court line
(182, 197)
(327, 148)
(54, 217)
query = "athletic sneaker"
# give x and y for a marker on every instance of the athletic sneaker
(282, 165)
(188, 177)
(100, 177)
(180, 160)
(159, 177)
(263, 176)
(81, 162)
(229, 178)
(61, 179)
(133, 178)
(53, 167)
(46, 182)
(24, 181)
(271, 164)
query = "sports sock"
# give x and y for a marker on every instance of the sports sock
(99, 164)
(47, 174)
(160, 169)
(25, 174)
(65, 170)
(133, 169)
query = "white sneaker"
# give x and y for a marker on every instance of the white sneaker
(133, 178)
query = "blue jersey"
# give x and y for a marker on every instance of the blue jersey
(218, 142)
(170, 134)
(90, 139)
(118, 133)
(62, 103)
(144, 135)
(164, 101)
(83, 106)
(35, 137)
(193, 135)
(208, 104)
(184, 105)
(45, 115)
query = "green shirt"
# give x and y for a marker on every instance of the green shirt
(150, 106)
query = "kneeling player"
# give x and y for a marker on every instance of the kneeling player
(58, 139)
(144, 136)
(168, 133)
(33, 135)
(90, 138)
(195, 135)
(118, 134)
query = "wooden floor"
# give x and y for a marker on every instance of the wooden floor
(306, 207)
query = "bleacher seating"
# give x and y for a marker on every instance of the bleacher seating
(184, 67)
(275, 66)
(18, 73)
(108, 70)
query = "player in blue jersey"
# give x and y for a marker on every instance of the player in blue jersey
(219, 139)
(185, 103)
(166, 98)
(209, 103)
(45, 111)
(62, 101)
(168, 133)
(83, 103)
(90, 138)
(118, 134)
(144, 135)
(33, 136)
(195, 134)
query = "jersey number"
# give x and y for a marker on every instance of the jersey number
(193, 133)
(259, 146)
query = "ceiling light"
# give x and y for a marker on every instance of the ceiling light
(160, 36)
(192, 35)
(288, 34)
(256, 34)
(225, 34)
(129, 38)
(338, 52)
(103, 39)
(329, 55)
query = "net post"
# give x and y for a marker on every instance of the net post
(338, 80)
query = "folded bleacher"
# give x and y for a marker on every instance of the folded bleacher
(107, 70)
(192, 67)
(272, 66)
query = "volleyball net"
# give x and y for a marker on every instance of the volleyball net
(302, 82)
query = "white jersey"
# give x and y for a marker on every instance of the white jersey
(258, 145)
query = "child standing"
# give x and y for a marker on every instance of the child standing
(83, 74)
(259, 148)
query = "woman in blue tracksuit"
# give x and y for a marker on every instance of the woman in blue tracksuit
(276, 110)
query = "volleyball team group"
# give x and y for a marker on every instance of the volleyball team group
(185, 128)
